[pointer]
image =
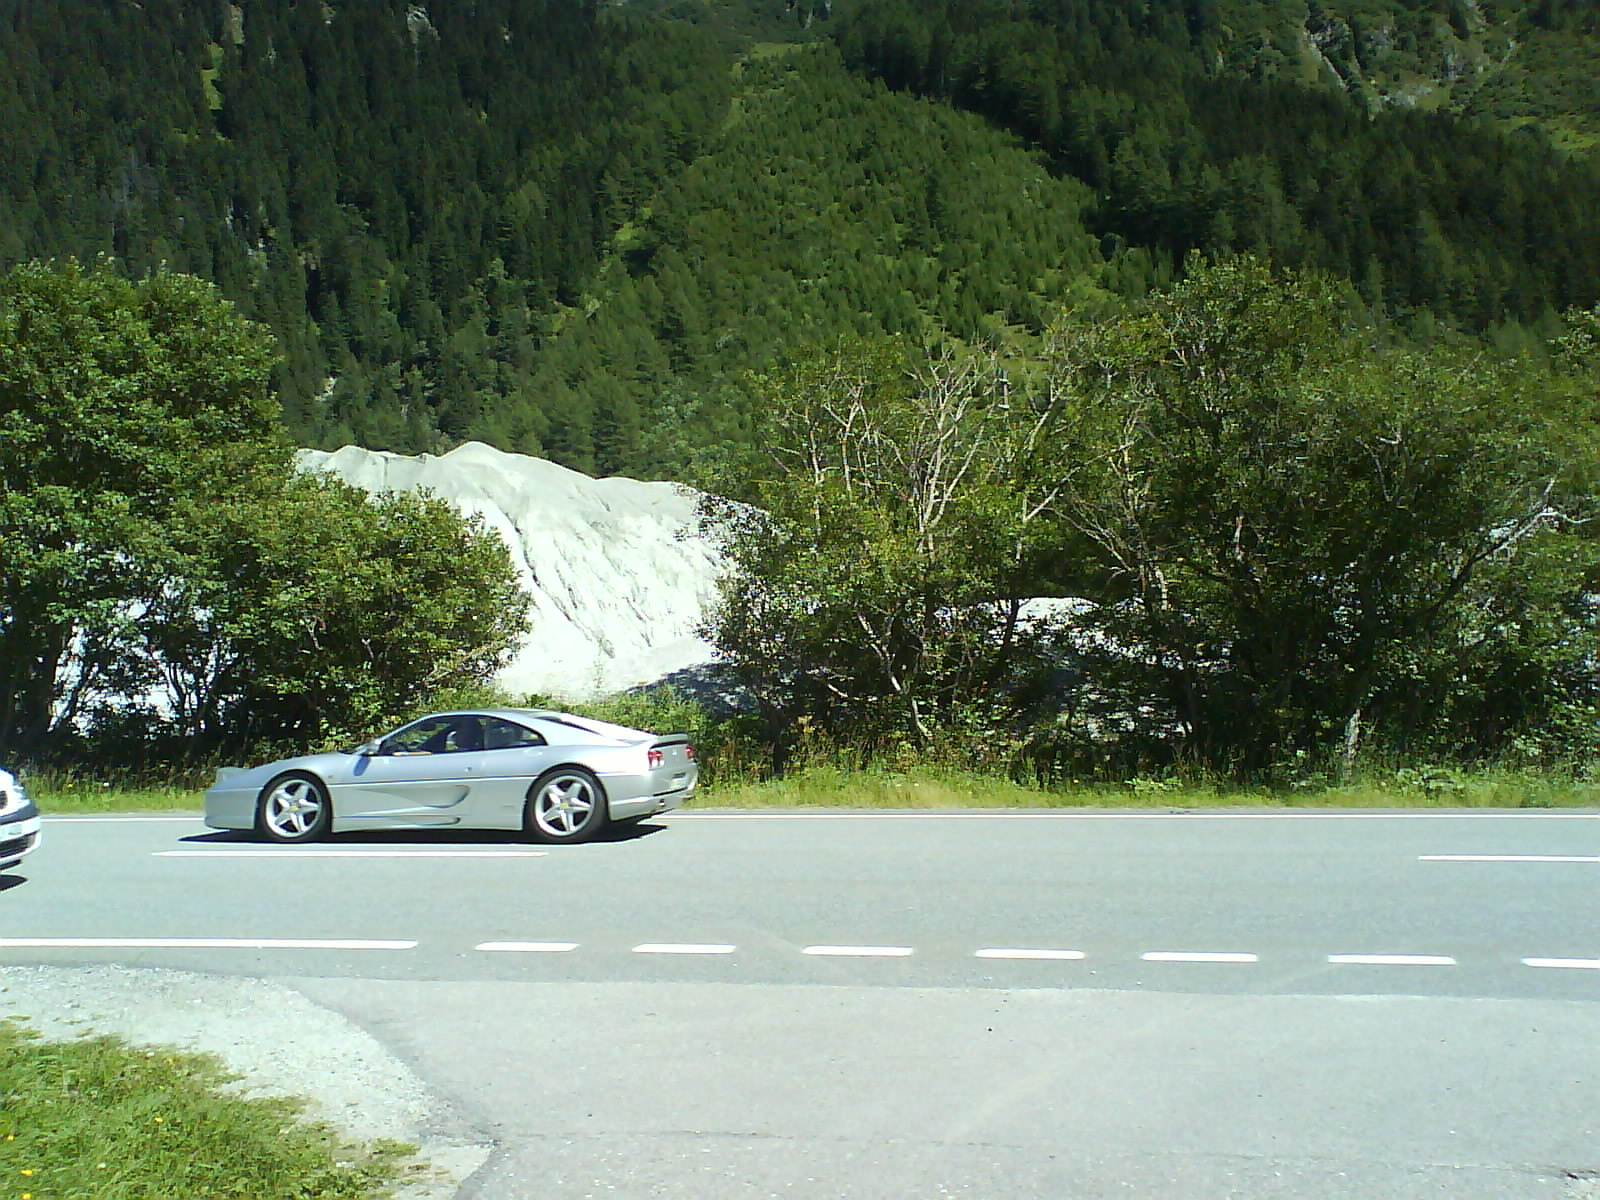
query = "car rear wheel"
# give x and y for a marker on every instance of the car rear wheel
(566, 805)
(294, 808)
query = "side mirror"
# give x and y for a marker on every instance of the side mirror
(369, 749)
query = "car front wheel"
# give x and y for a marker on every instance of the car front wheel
(294, 808)
(566, 805)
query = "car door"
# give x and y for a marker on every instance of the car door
(422, 774)
(513, 757)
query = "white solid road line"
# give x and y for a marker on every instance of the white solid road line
(1571, 964)
(1198, 956)
(1047, 955)
(1511, 858)
(682, 948)
(859, 951)
(526, 947)
(1393, 960)
(1510, 814)
(166, 943)
(286, 853)
(1276, 814)
(191, 819)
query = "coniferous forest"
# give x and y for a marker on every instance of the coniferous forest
(570, 229)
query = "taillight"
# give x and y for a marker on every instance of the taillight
(688, 752)
(655, 758)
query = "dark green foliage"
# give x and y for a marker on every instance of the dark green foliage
(406, 199)
(1286, 541)
(568, 229)
(304, 612)
(1208, 136)
(898, 520)
(1307, 537)
(116, 399)
(169, 586)
(869, 215)
(613, 234)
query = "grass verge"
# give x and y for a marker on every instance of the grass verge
(57, 795)
(933, 788)
(97, 1118)
(829, 785)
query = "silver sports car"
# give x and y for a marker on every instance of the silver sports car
(559, 777)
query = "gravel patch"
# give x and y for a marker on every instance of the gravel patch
(274, 1037)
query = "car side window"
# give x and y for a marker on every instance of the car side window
(505, 735)
(436, 735)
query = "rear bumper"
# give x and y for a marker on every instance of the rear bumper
(19, 835)
(627, 799)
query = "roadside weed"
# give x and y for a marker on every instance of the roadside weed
(99, 1117)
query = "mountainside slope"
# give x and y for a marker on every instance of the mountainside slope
(571, 229)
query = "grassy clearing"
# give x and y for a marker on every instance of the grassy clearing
(99, 1118)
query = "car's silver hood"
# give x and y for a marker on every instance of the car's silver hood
(321, 764)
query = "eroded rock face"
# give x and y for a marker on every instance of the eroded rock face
(618, 574)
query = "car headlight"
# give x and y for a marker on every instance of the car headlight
(12, 795)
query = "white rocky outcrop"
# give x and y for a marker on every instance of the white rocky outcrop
(619, 575)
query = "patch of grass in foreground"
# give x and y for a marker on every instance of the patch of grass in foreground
(99, 1118)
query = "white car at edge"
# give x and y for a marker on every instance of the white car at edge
(19, 821)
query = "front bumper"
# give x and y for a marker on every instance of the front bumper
(231, 807)
(20, 832)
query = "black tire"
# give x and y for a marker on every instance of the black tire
(565, 806)
(294, 808)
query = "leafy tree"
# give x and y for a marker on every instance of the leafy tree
(1295, 528)
(879, 558)
(167, 580)
(272, 636)
(116, 399)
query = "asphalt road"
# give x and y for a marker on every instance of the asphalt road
(1013, 1005)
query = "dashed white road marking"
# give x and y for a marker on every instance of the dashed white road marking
(1025, 955)
(1198, 956)
(1511, 858)
(201, 943)
(725, 948)
(683, 948)
(351, 853)
(859, 951)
